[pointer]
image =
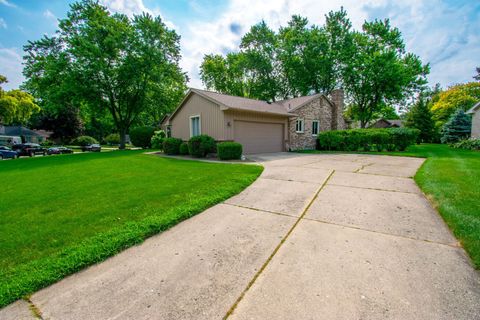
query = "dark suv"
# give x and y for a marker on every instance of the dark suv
(29, 149)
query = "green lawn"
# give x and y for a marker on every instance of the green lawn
(451, 179)
(60, 214)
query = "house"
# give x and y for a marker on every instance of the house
(384, 123)
(475, 112)
(27, 135)
(260, 126)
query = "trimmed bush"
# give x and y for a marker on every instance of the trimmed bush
(157, 139)
(142, 136)
(184, 149)
(468, 144)
(113, 139)
(229, 150)
(200, 146)
(367, 139)
(171, 146)
(84, 141)
(47, 143)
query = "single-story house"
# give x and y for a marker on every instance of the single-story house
(27, 135)
(475, 112)
(260, 126)
(384, 123)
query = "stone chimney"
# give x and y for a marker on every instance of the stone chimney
(337, 96)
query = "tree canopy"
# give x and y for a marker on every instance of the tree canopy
(420, 117)
(99, 61)
(16, 106)
(460, 96)
(372, 65)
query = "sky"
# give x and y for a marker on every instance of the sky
(444, 33)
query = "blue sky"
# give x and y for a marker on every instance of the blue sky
(445, 33)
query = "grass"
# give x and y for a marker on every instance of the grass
(451, 179)
(60, 214)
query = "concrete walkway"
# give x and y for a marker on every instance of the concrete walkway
(315, 237)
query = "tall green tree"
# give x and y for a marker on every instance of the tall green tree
(305, 59)
(420, 117)
(379, 71)
(477, 76)
(111, 62)
(16, 106)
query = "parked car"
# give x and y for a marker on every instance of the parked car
(58, 150)
(92, 147)
(7, 153)
(29, 149)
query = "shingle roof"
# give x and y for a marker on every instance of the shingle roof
(18, 131)
(474, 108)
(294, 103)
(247, 104)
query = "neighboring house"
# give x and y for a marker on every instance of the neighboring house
(384, 123)
(27, 135)
(259, 126)
(475, 112)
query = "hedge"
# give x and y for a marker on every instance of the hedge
(141, 136)
(200, 146)
(389, 139)
(112, 139)
(171, 146)
(184, 148)
(229, 150)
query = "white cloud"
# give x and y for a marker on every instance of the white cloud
(50, 16)
(3, 24)
(134, 7)
(11, 67)
(438, 33)
(7, 3)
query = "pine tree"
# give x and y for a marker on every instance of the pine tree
(420, 117)
(458, 127)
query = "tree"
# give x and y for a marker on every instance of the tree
(420, 117)
(458, 127)
(16, 106)
(477, 76)
(109, 62)
(304, 56)
(460, 96)
(379, 71)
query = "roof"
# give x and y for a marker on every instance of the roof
(280, 108)
(241, 103)
(398, 123)
(17, 131)
(474, 108)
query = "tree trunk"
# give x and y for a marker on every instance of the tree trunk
(123, 138)
(363, 124)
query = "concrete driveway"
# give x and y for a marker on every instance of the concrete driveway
(315, 237)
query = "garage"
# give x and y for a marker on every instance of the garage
(259, 137)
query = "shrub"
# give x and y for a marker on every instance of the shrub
(184, 148)
(142, 136)
(468, 144)
(200, 146)
(112, 139)
(403, 137)
(229, 150)
(458, 127)
(171, 146)
(47, 143)
(84, 141)
(157, 139)
(366, 139)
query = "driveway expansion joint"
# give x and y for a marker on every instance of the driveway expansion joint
(284, 239)
(455, 245)
(368, 188)
(36, 312)
(260, 210)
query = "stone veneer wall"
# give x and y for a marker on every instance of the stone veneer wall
(318, 109)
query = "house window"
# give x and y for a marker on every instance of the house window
(299, 126)
(315, 125)
(195, 126)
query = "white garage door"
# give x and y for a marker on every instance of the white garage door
(259, 137)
